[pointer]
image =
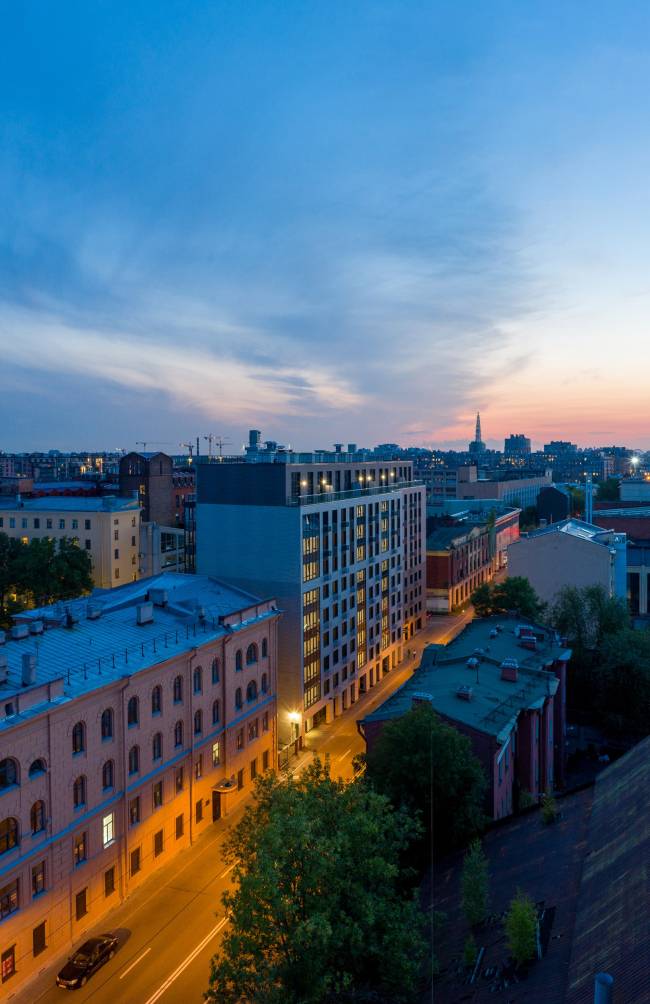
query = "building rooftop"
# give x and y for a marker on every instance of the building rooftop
(575, 528)
(494, 704)
(104, 641)
(443, 537)
(108, 503)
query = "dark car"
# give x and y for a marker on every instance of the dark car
(87, 960)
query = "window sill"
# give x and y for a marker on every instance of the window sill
(10, 787)
(80, 808)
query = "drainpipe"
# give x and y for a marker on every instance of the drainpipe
(191, 683)
(603, 989)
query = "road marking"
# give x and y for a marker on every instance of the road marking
(186, 962)
(134, 964)
(344, 754)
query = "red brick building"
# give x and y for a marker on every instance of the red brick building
(458, 560)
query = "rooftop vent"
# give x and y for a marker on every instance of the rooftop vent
(158, 597)
(465, 692)
(200, 612)
(29, 669)
(509, 668)
(93, 611)
(69, 620)
(145, 613)
(529, 641)
(36, 627)
(3, 668)
(19, 631)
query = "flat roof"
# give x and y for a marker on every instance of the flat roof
(495, 703)
(63, 503)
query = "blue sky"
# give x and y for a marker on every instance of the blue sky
(336, 221)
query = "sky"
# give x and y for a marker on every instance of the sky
(332, 221)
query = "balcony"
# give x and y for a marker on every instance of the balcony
(355, 493)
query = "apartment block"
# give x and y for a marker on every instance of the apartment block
(337, 538)
(129, 722)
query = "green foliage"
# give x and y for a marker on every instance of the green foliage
(9, 550)
(609, 491)
(528, 518)
(319, 912)
(549, 809)
(475, 884)
(577, 501)
(512, 593)
(491, 519)
(470, 952)
(40, 572)
(622, 681)
(416, 757)
(526, 799)
(521, 928)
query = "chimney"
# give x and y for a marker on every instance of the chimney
(19, 631)
(603, 989)
(29, 669)
(509, 668)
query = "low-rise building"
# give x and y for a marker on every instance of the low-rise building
(501, 682)
(129, 722)
(573, 553)
(458, 560)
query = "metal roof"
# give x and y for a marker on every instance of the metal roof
(62, 503)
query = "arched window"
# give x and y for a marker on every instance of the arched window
(8, 834)
(251, 691)
(215, 670)
(38, 767)
(265, 685)
(215, 713)
(8, 773)
(134, 760)
(178, 734)
(107, 724)
(37, 817)
(238, 698)
(107, 775)
(251, 654)
(198, 723)
(156, 746)
(238, 660)
(78, 744)
(178, 689)
(198, 680)
(156, 699)
(265, 650)
(79, 792)
(132, 716)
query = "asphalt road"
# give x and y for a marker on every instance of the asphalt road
(171, 927)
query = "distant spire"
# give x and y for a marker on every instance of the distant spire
(477, 437)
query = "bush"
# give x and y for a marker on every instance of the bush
(549, 809)
(470, 952)
(526, 799)
(521, 928)
(475, 884)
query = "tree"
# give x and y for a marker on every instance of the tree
(577, 501)
(528, 518)
(512, 593)
(549, 808)
(470, 951)
(9, 579)
(481, 600)
(609, 490)
(521, 928)
(622, 681)
(319, 913)
(47, 572)
(475, 884)
(416, 758)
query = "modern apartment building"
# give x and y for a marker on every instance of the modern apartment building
(107, 528)
(129, 722)
(338, 539)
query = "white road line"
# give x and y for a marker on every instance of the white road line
(343, 754)
(186, 962)
(122, 975)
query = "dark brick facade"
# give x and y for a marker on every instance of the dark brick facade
(150, 475)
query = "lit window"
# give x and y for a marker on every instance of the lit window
(108, 834)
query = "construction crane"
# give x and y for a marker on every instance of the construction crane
(188, 446)
(217, 439)
(152, 444)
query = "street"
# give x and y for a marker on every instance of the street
(170, 928)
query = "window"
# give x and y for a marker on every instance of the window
(156, 697)
(253, 769)
(87, 524)
(75, 524)
(251, 691)
(38, 878)
(38, 939)
(133, 521)
(265, 722)
(157, 795)
(37, 817)
(61, 524)
(135, 861)
(240, 739)
(37, 524)
(87, 544)
(238, 665)
(198, 723)
(8, 963)
(265, 760)
(9, 898)
(156, 746)
(7, 773)
(109, 882)
(215, 670)
(157, 843)
(199, 810)
(251, 654)
(215, 754)
(8, 834)
(117, 573)
(178, 734)
(107, 724)
(179, 826)
(38, 767)
(252, 730)
(134, 811)
(178, 690)
(264, 687)
(240, 780)
(198, 767)
(79, 848)
(116, 534)
(134, 760)
(107, 775)
(264, 648)
(48, 523)
(215, 712)
(178, 780)
(79, 792)
(132, 712)
(238, 698)
(78, 744)
(198, 680)
(108, 829)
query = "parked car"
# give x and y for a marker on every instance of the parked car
(87, 960)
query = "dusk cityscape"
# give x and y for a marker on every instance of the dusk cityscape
(339, 693)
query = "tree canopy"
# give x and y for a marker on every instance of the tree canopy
(609, 490)
(40, 572)
(320, 912)
(513, 593)
(417, 757)
(622, 681)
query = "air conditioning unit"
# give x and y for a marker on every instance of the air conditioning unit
(145, 613)
(93, 611)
